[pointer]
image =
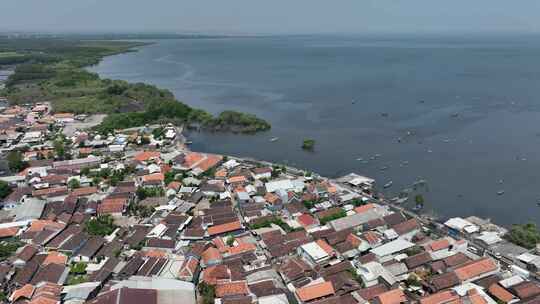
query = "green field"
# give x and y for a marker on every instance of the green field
(10, 54)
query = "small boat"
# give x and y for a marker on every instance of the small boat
(384, 168)
(274, 139)
(500, 192)
(384, 114)
(418, 207)
(455, 115)
(189, 142)
(359, 159)
(388, 185)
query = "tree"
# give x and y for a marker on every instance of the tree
(74, 183)
(419, 199)
(15, 161)
(59, 149)
(78, 269)
(230, 240)
(208, 293)
(526, 235)
(100, 226)
(5, 190)
(7, 248)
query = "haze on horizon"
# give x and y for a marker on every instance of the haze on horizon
(278, 16)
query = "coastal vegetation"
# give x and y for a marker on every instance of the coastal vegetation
(52, 70)
(526, 235)
(308, 144)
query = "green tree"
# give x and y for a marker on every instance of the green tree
(59, 148)
(74, 183)
(15, 161)
(100, 226)
(78, 268)
(419, 199)
(5, 190)
(208, 293)
(526, 235)
(230, 240)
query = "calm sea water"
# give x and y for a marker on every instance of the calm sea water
(461, 113)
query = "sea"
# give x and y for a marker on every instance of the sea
(461, 113)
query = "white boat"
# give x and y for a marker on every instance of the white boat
(274, 139)
(388, 185)
(500, 192)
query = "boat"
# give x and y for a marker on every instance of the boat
(500, 192)
(418, 207)
(188, 142)
(360, 159)
(388, 185)
(455, 115)
(384, 168)
(274, 139)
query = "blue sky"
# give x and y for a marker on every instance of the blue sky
(275, 16)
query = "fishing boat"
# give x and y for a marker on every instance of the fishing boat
(388, 185)
(274, 139)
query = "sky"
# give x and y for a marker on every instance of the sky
(274, 16)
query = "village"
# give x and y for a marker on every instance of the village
(136, 217)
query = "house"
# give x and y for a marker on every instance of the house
(230, 227)
(88, 252)
(315, 291)
(153, 290)
(477, 269)
(262, 173)
(315, 252)
(113, 206)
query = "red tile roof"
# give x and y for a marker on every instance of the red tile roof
(500, 293)
(8, 232)
(475, 268)
(85, 191)
(24, 292)
(241, 248)
(440, 297)
(364, 208)
(306, 220)
(211, 254)
(231, 289)
(439, 244)
(55, 258)
(147, 155)
(315, 291)
(394, 296)
(324, 245)
(223, 228)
